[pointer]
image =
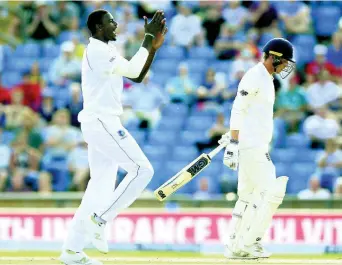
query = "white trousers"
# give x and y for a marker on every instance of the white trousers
(256, 172)
(109, 146)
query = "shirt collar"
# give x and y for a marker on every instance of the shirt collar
(266, 71)
(97, 42)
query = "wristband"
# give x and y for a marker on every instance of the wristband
(149, 34)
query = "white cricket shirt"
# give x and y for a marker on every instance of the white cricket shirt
(102, 83)
(252, 112)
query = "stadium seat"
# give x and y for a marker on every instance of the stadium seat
(284, 155)
(67, 36)
(170, 123)
(157, 153)
(138, 135)
(204, 123)
(190, 137)
(51, 50)
(162, 137)
(306, 155)
(326, 20)
(19, 64)
(306, 41)
(184, 153)
(11, 78)
(265, 37)
(281, 169)
(161, 79)
(27, 50)
(221, 66)
(202, 53)
(297, 140)
(166, 66)
(197, 66)
(175, 110)
(333, 56)
(45, 64)
(7, 137)
(170, 52)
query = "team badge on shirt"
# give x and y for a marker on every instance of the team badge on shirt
(122, 134)
(243, 93)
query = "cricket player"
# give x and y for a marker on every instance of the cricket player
(251, 127)
(110, 145)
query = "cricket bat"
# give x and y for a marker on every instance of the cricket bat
(186, 174)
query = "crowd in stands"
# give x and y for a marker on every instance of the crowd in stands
(183, 105)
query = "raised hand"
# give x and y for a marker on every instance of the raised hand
(156, 25)
(159, 38)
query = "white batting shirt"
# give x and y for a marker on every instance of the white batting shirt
(102, 83)
(252, 112)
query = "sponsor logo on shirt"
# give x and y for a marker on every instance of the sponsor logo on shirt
(268, 157)
(112, 59)
(243, 93)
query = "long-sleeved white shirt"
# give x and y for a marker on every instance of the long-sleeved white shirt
(252, 112)
(102, 83)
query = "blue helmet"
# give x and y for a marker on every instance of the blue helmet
(279, 49)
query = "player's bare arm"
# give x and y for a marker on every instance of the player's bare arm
(153, 41)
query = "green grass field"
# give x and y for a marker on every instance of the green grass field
(162, 258)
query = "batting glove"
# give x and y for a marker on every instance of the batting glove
(231, 155)
(225, 139)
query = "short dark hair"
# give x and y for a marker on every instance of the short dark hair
(95, 18)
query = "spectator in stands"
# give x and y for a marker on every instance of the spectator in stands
(146, 101)
(24, 167)
(47, 107)
(79, 166)
(329, 163)
(291, 105)
(65, 14)
(212, 24)
(79, 47)
(235, 15)
(251, 43)
(338, 188)
(181, 88)
(5, 154)
(185, 27)
(75, 103)
(5, 95)
(213, 134)
(66, 68)
(296, 17)
(42, 25)
(134, 42)
(227, 45)
(334, 53)
(263, 16)
(323, 92)
(243, 62)
(30, 127)
(320, 63)
(314, 192)
(230, 92)
(36, 77)
(60, 136)
(203, 189)
(320, 127)
(31, 91)
(13, 112)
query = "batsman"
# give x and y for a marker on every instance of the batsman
(260, 192)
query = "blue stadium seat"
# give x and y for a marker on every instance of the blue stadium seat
(67, 36)
(281, 168)
(138, 135)
(170, 52)
(197, 78)
(161, 79)
(175, 110)
(297, 140)
(11, 78)
(197, 66)
(27, 50)
(51, 50)
(162, 137)
(326, 20)
(184, 153)
(166, 66)
(284, 155)
(190, 137)
(19, 64)
(170, 123)
(221, 66)
(306, 41)
(7, 137)
(306, 155)
(203, 123)
(45, 64)
(202, 53)
(265, 37)
(156, 153)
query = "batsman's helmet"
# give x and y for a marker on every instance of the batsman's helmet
(279, 49)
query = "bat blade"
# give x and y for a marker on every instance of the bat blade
(182, 177)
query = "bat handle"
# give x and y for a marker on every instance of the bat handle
(216, 151)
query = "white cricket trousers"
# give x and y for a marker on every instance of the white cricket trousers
(110, 145)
